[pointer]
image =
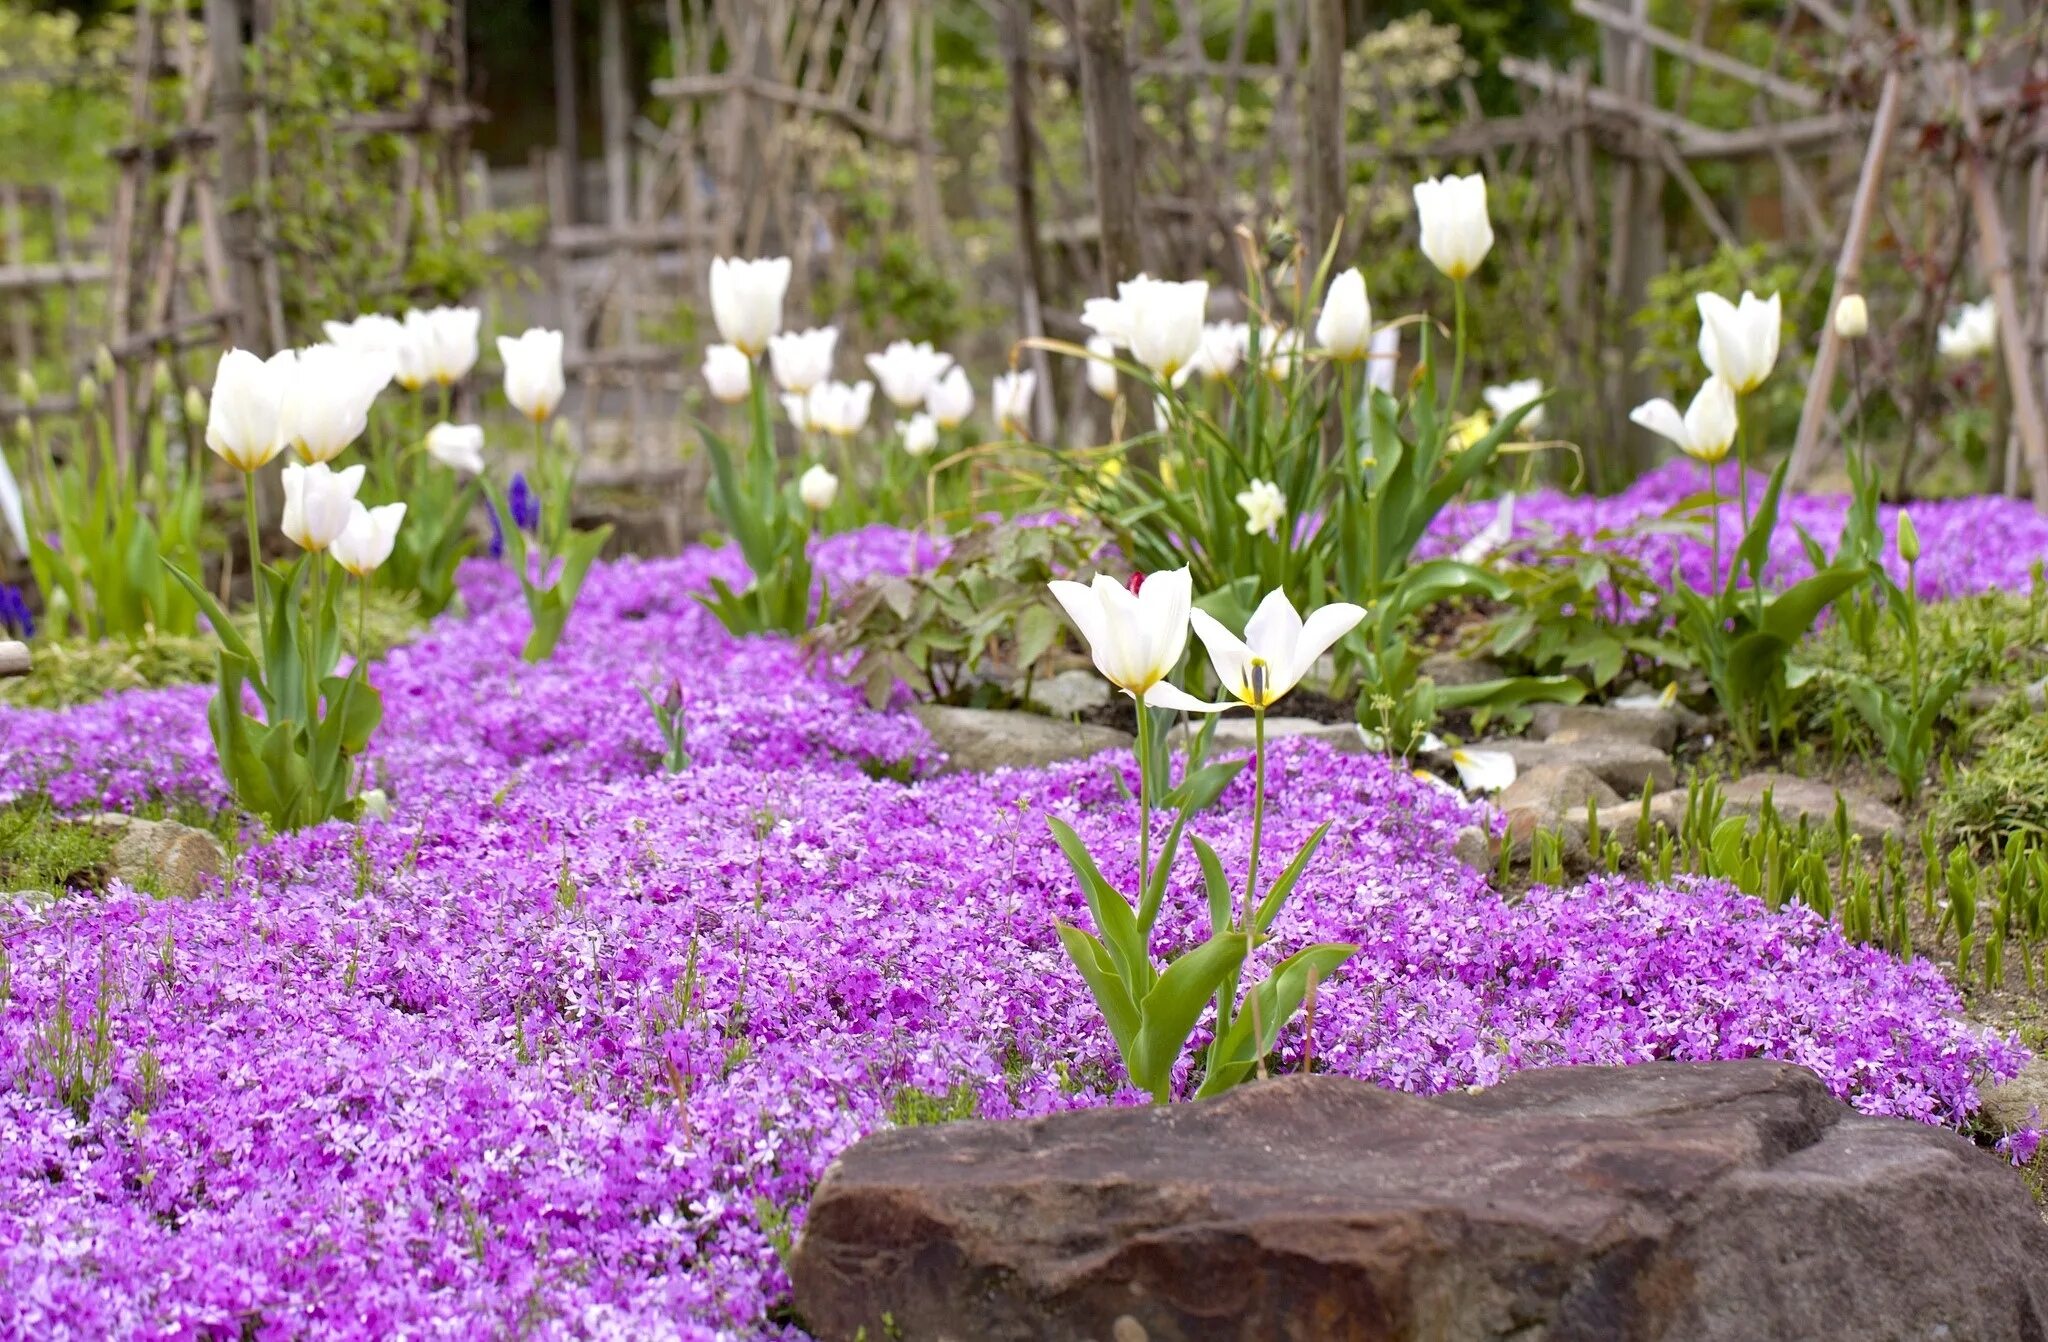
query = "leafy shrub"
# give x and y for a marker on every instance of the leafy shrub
(983, 605)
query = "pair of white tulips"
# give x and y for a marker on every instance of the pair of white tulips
(322, 513)
(1137, 638)
(1739, 346)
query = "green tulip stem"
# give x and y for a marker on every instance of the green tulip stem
(1144, 801)
(1251, 872)
(255, 557)
(1912, 623)
(1458, 354)
(1714, 511)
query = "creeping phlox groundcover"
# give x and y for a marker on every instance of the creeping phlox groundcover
(562, 1045)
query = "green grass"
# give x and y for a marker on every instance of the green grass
(912, 1107)
(41, 850)
(2003, 789)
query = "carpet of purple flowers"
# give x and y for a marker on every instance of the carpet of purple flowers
(560, 1047)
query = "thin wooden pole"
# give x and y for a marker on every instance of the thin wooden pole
(566, 149)
(1848, 268)
(1326, 34)
(1112, 119)
(1024, 191)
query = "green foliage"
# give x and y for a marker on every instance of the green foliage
(914, 1108)
(41, 850)
(671, 718)
(2004, 790)
(771, 525)
(937, 629)
(1577, 610)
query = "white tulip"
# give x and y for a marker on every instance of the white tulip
(1705, 431)
(1852, 317)
(1509, 397)
(533, 372)
(1011, 395)
(817, 487)
(746, 300)
(1279, 352)
(920, 434)
(328, 405)
(1345, 326)
(728, 372)
(317, 503)
(1739, 343)
(458, 446)
(10, 507)
(1484, 770)
(1136, 637)
(1101, 372)
(1456, 232)
(801, 360)
(951, 399)
(1160, 321)
(839, 409)
(245, 424)
(1264, 507)
(375, 333)
(445, 340)
(1972, 335)
(798, 409)
(906, 372)
(1278, 647)
(366, 541)
(1222, 350)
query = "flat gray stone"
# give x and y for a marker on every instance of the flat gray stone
(1066, 694)
(977, 740)
(1563, 724)
(1625, 766)
(1235, 732)
(1793, 797)
(1450, 668)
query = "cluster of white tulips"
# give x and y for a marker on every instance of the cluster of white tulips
(928, 390)
(1972, 335)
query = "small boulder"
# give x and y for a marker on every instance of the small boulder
(977, 740)
(2021, 1102)
(1475, 848)
(1792, 797)
(1625, 766)
(1667, 1202)
(1236, 733)
(163, 855)
(1067, 694)
(1546, 796)
(1563, 724)
(1450, 668)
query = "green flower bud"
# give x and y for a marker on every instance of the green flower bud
(161, 380)
(88, 394)
(24, 430)
(1909, 539)
(559, 433)
(195, 406)
(25, 387)
(103, 363)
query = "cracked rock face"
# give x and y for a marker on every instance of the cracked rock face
(1717, 1201)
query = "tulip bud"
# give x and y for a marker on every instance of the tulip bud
(195, 406)
(88, 394)
(1852, 317)
(25, 387)
(560, 436)
(375, 803)
(24, 430)
(160, 381)
(1345, 327)
(1909, 539)
(103, 363)
(1135, 581)
(818, 488)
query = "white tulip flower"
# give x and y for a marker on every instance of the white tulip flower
(1484, 770)
(457, 446)
(1509, 397)
(317, 503)
(817, 487)
(728, 372)
(1265, 507)
(366, 541)
(1456, 232)
(920, 434)
(1279, 352)
(746, 300)
(1739, 342)
(245, 423)
(839, 409)
(1101, 372)
(801, 360)
(1136, 638)
(1159, 321)
(1852, 317)
(798, 409)
(1705, 431)
(1972, 335)
(1011, 394)
(1278, 647)
(1344, 328)
(328, 404)
(951, 399)
(1492, 536)
(906, 372)
(1222, 350)
(446, 341)
(534, 381)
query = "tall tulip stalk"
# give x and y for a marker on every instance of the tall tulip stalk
(553, 565)
(1137, 636)
(295, 764)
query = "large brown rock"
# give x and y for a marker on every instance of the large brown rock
(171, 858)
(977, 740)
(1728, 1202)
